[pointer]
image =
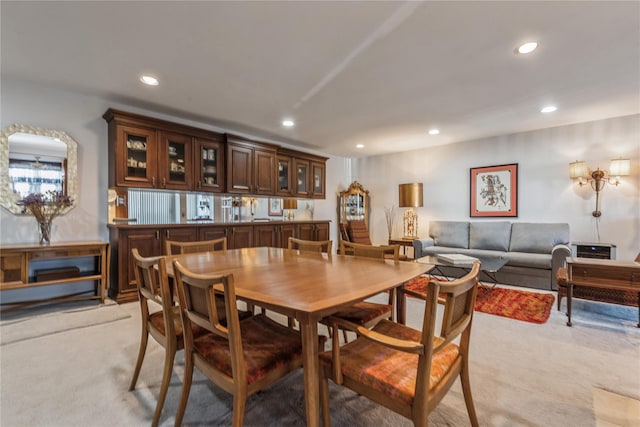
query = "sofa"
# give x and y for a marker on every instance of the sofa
(534, 251)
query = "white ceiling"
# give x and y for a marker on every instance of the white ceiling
(377, 73)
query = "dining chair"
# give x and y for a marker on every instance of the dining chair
(173, 247)
(163, 325)
(407, 370)
(317, 246)
(320, 246)
(242, 357)
(362, 313)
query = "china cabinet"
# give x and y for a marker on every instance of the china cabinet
(150, 153)
(353, 205)
(251, 167)
(209, 165)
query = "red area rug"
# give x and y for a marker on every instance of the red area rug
(520, 305)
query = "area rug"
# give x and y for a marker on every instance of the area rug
(16, 330)
(515, 304)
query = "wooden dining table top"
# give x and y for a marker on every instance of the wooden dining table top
(301, 284)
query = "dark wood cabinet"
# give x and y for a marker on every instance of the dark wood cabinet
(251, 167)
(150, 241)
(150, 153)
(209, 165)
(212, 232)
(274, 235)
(313, 231)
(301, 177)
(318, 179)
(284, 175)
(175, 161)
(240, 236)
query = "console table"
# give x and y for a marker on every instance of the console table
(19, 269)
(603, 274)
(404, 242)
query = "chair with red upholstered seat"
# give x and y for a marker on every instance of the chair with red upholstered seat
(163, 325)
(242, 357)
(406, 370)
(363, 313)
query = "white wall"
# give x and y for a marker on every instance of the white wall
(545, 192)
(80, 116)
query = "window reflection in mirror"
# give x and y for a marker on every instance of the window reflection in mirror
(37, 164)
(36, 160)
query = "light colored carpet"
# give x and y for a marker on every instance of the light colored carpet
(15, 327)
(522, 374)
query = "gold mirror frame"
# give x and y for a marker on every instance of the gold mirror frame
(8, 199)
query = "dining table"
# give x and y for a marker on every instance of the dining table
(304, 286)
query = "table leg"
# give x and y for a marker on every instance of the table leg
(309, 330)
(401, 306)
(569, 297)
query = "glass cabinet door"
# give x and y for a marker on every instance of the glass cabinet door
(353, 205)
(318, 180)
(210, 176)
(302, 178)
(175, 161)
(284, 187)
(138, 148)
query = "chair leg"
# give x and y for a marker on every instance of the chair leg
(186, 388)
(466, 391)
(324, 399)
(143, 348)
(164, 387)
(239, 403)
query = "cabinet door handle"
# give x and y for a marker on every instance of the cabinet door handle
(153, 182)
(157, 234)
(164, 182)
(167, 234)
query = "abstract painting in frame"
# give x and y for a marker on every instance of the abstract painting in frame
(494, 191)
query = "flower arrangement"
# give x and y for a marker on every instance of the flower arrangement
(45, 207)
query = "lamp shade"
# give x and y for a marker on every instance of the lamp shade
(577, 169)
(410, 195)
(290, 204)
(620, 167)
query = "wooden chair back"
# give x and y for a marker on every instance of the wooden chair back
(322, 246)
(370, 251)
(153, 287)
(173, 247)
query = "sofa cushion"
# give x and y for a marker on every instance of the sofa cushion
(537, 237)
(490, 235)
(453, 234)
(529, 260)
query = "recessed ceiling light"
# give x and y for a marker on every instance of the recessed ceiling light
(549, 109)
(527, 47)
(288, 123)
(149, 80)
(360, 146)
(434, 131)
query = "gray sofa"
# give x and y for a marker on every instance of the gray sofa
(534, 251)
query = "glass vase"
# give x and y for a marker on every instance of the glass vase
(45, 232)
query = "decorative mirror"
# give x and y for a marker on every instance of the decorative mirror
(35, 160)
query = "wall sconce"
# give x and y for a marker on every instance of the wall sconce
(289, 205)
(410, 196)
(598, 178)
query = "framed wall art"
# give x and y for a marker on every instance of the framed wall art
(494, 191)
(275, 207)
